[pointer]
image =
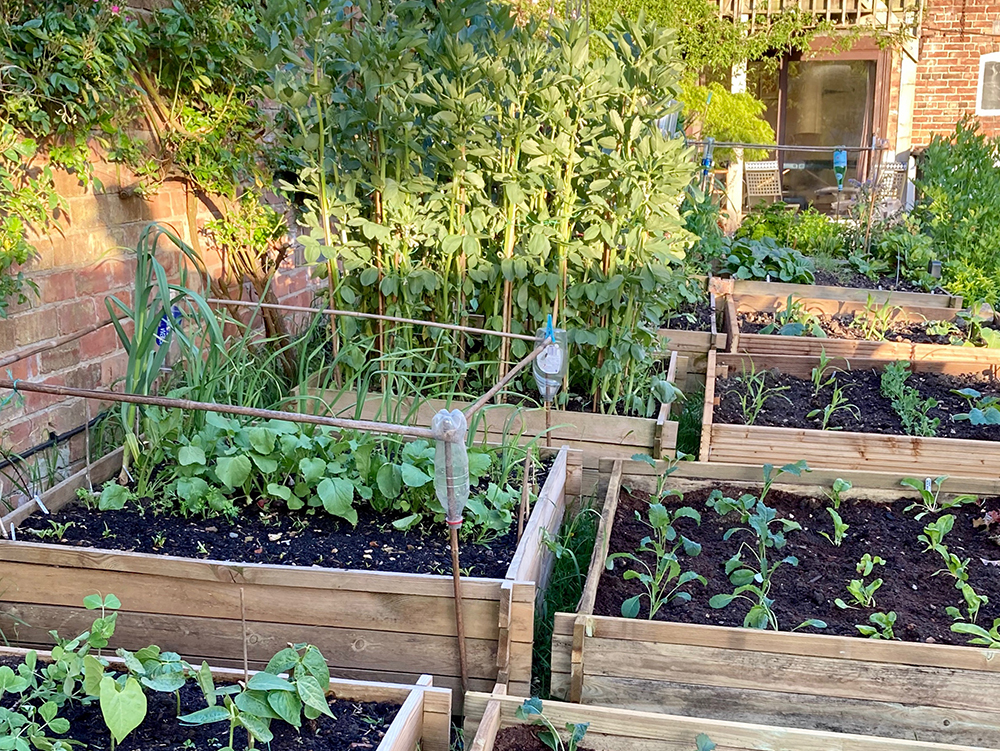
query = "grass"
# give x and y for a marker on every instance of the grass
(689, 423)
(572, 550)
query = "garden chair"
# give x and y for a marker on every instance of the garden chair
(763, 181)
(891, 180)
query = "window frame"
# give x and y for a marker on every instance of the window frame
(990, 57)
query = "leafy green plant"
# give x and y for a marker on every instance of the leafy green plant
(768, 532)
(863, 594)
(754, 393)
(839, 528)
(762, 260)
(882, 626)
(839, 487)
(988, 638)
(931, 501)
(663, 580)
(823, 374)
(533, 710)
(268, 696)
(982, 410)
(794, 320)
(907, 402)
(838, 403)
(875, 320)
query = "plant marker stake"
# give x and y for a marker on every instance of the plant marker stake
(243, 619)
(522, 512)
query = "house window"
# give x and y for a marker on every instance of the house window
(826, 102)
(988, 90)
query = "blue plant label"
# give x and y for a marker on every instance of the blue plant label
(163, 329)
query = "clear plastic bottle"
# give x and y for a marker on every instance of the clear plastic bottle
(450, 429)
(549, 368)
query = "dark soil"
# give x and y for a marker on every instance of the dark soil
(850, 278)
(355, 726)
(690, 317)
(909, 588)
(848, 327)
(522, 738)
(789, 408)
(278, 538)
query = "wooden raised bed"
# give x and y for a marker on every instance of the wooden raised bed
(746, 288)
(694, 345)
(371, 625)
(911, 691)
(807, 346)
(422, 723)
(612, 729)
(596, 436)
(841, 450)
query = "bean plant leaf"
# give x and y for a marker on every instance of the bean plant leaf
(255, 703)
(123, 708)
(312, 694)
(269, 682)
(205, 716)
(165, 682)
(262, 440)
(287, 705)
(283, 661)
(315, 665)
(257, 727)
(206, 683)
(93, 673)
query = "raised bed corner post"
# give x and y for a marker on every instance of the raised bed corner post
(451, 484)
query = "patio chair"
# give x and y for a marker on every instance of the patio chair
(763, 181)
(889, 188)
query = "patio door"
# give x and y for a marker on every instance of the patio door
(824, 102)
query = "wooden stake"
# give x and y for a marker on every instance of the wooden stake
(243, 620)
(455, 570)
(524, 509)
(548, 424)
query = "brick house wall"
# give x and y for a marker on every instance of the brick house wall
(78, 266)
(953, 36)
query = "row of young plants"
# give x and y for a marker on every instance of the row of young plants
(35, 695)
(756, 388)
(658, 564)
(875, 321)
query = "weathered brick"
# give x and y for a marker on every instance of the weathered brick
(59, 358)
(76, 315)
(99, 343)
(34, 327)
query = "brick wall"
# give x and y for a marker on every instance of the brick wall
(77, 268)
(954, 34)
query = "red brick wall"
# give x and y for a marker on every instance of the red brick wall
(77, 268)
(954, 34)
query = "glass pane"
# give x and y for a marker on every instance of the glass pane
(829, 104)
(762, 82)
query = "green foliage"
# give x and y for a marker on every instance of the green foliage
(931, 501)
(907, 402)
(863, 594)
(763, 259)
(724, 116)
(77, 73)
(959, 188)
(229, 463)
(882, 626)
(533, 709)
(663, 580)
(768, 220)
(470, 165)
(753, 393)
(982, 410)
(752, 575)
(989, 639)
(839, 528)
(794, 320)
(875, 320)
